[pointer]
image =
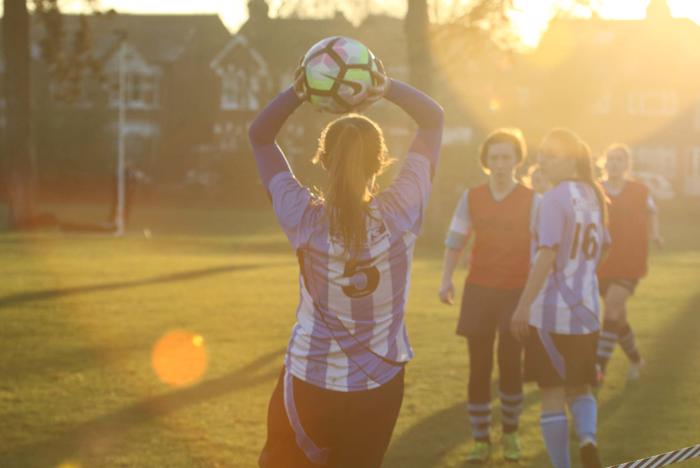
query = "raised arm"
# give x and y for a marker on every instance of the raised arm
(426, 112)
(405, 200)
(289, 199)
(263, 132)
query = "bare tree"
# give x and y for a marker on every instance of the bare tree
(18, 168)
(417, 28)
(353, 10)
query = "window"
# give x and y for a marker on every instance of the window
(692, 180)
(603, 104)
(652, 103)
(71, 93)
(657, 160)
(142, 80)
(695, 162)
(230, 136)
(241, 90)
(523, 96)
(142, 90)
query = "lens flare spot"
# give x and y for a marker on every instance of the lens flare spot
(179, 358)
(198, 341)
(495, 104)
(69, 464)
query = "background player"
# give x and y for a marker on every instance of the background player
(339, 394)
(633, 221)
(559, 307)
(498, 214)
(536, 180)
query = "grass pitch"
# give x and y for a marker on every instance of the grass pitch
(81, 317)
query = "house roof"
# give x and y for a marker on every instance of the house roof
(282, 41)
(159, 38)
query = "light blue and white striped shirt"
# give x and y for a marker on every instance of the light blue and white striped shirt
(570, 220)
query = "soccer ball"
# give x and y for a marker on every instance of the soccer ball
(337, 73)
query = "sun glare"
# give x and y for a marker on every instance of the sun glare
(530, 17)
(179, 358)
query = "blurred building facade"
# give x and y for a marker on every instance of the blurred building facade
(193, 88)
(623, 81)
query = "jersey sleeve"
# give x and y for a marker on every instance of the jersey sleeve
(651, 204)
(404, 202)
(427, 114)
(290, 201)
(607, 239)
(551, 219)
(263, 133)
(460, 227)
(536, 202)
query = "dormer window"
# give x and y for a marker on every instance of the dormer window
(142, 81)
(245, 79)
(239, 90)
(653, 103)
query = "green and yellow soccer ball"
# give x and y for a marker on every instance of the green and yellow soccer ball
(337, 74)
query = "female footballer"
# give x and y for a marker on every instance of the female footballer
(498, 214)
(633, 221)
(341, 387)
(536, 180)
(559, 309)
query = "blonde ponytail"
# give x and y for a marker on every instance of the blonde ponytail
(353, 152)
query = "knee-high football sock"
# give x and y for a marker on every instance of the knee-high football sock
(606, 342)
(480, 419)
(584, 408)
(511, 407)
(555, 431)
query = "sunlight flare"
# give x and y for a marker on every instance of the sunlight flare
(179, 358)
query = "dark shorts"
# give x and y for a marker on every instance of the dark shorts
(354, 427)
(629, 284)
(485, 310)
(574, 356)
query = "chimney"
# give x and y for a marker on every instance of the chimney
(258, 10)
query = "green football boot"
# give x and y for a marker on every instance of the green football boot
(480, 453)
(511, 447)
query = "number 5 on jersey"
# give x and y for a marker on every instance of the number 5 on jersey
(363, 276)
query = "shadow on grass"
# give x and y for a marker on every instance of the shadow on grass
(426, 443)
(14, 299)
(57, 363)
(90, 435)
(632, 413)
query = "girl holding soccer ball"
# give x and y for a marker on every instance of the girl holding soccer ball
(559, 310)
(341, 387)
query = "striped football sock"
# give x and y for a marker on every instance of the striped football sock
(555, 431)
(628, 344)
(606, 342)
(511, 407)
(480, 419)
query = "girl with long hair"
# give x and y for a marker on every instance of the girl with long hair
(341, 387)
(558, 315)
